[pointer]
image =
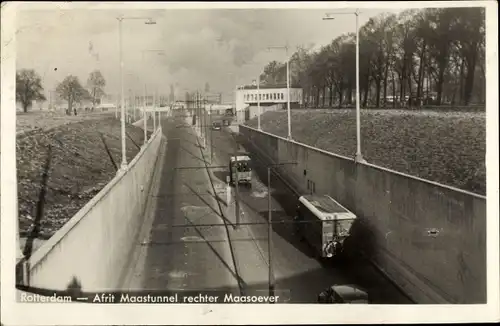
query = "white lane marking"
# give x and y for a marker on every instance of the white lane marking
(178, 274)
(259, 194)
(191, 209)
(192, 238)
(259, 185)
(220, 187)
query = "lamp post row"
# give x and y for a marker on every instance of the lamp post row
(359, 156)
(148, 21)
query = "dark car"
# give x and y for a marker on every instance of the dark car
(350, 294)
(216, 126)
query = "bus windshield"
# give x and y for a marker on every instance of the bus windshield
(242, 166)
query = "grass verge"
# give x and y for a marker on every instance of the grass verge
(445, 147)
(60, 168)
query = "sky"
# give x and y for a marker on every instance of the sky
(186, 47)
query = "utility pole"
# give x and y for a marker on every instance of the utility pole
(205, 125)
(154, 111)
(134, 105)
(270, 226)
(269, 234)
(258, 102)
(144, 115)
(237, 195)
(359, 156)
(129, 114)
(289, 137)
(211, 137)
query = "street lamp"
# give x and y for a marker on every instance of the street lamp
(159, 52)
(133, 101)
(287, 86)
(359, 156)
(258, 102)
(120, 19)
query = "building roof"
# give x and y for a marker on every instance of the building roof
(324, 204)
(240, 158)
(106, 105)
(275, 86)
(327, 207)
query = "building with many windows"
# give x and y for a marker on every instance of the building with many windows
(271, 98)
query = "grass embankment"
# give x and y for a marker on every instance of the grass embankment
(448, 148)
(49, 119)
(60, 168)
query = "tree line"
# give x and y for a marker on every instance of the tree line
(433, 56)
(29, 88)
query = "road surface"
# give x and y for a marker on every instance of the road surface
(190, 242)
(296, 269)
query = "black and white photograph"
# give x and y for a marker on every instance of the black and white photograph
(249, 162)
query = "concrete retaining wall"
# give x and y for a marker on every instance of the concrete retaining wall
(91, 250)
(399, 217)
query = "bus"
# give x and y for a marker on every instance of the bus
(240, 170)
(324, 224)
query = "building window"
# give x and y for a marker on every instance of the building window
(282, 96)
(274, 96)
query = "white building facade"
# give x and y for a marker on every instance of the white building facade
(270, 98)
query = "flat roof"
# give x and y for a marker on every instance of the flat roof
(350, 292)
(324, 204)
(240, 158)
(248, 87)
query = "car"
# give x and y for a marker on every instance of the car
(216, 126)
(345, 293)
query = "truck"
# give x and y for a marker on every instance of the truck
(324, 224)
(240, 170)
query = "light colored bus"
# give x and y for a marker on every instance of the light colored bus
(324, 224)
(240, 170)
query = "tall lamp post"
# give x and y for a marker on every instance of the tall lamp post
(120, 19)
(258, 100)
(287, 87)
(143, 52)
(133, 95)
(359, 156)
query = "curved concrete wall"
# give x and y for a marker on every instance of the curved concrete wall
(92, 249)
(400, 216)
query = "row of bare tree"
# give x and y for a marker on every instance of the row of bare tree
(29, 88)
(420, 56)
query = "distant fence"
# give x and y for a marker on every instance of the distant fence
(91, 250)
(428, 238)
(439, 108)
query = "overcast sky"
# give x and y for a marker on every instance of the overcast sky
(223, 47)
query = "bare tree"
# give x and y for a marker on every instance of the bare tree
(72, 91)
(96, 84)
(423, 56)
(28, 88)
